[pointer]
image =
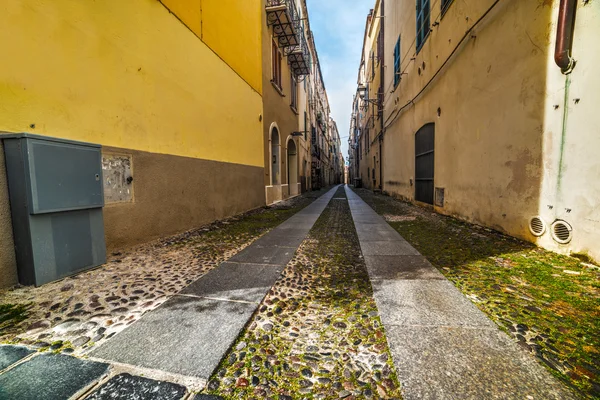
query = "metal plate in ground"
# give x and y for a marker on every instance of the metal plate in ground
(11, 354)
(128, 387)
(49, 377)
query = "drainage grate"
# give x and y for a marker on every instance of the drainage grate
(537, 226)
(562, 232)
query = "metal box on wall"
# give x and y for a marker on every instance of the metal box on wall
(56, 199)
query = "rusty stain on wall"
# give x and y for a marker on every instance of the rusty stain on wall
(118, 178)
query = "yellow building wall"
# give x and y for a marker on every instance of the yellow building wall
(125, 74)
(232, 28)
(188, 11)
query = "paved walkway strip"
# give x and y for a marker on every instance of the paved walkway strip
(189, 334)
(442, 345)
(317, 334)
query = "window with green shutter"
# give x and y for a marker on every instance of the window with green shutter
(445, 5)
(423, 23)
(397, 63)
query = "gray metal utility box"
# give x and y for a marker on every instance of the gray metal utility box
(56, 199)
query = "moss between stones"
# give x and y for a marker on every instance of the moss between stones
(12, 314)
(548, 302)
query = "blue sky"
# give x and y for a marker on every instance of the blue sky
(338, 27)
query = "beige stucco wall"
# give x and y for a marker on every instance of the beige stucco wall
(571, 187)
(276, 110)
(488, 137)
(8, 262)
(370, 76)
(498, 136)
(305, 140)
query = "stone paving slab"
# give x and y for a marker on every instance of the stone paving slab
(443, 347)
(278, 240)
(236, 281)
(366, 219)
(401, 267)
(129, 387)
(378, 235)
(305, 222)
(11, 354)
(426, 303)
(185, 336)
(188, 335)
(297, 233)
(375, 227)
(462, 363)
(264, 255)
(49, 377)
(387, 248)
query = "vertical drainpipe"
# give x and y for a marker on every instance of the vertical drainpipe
(564, 59)
(564, 36)
(381, 89)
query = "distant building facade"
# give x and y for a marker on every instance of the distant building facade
(295, 104)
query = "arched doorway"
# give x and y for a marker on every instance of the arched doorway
(292, 167)
(275, 156)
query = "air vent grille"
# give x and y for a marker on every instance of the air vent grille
(537, 226)
(562, 232)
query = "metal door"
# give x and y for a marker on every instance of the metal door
(424, 163)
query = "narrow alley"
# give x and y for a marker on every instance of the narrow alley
(299, 199)
(330, 302)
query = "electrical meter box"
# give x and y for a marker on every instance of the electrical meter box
(56, 199)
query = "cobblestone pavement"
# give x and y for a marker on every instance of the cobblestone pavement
(317, 334)
(549, 303)
(76, 313)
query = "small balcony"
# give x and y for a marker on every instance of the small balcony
(289, 32)
(282, 16)
(299, 57)
(316, 152)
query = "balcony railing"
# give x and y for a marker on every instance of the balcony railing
(316, 151)
(299, 57)
(288, 30)
(283, 17)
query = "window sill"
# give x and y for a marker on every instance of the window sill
(294, 110)
(278, 88)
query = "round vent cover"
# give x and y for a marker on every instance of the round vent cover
(562, 232)
(537, 226)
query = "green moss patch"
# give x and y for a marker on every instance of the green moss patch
(11, 315)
